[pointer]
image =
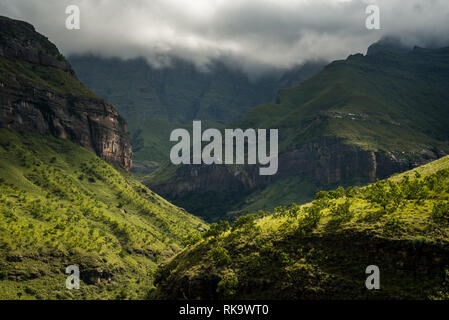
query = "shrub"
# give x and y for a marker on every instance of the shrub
(392, 224)
(311, 218)
(244, 221)
(378, 194)
(219, 256)
(280, 211)
(342, 212)
(228, 285)
(440, 212)
(322, 195)
(216, 229)
(191, 239)
(334, 194)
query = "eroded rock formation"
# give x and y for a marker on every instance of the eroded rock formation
(40, 93)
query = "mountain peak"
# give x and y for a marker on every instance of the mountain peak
(20, 40)
(39, 93)
(388, 44)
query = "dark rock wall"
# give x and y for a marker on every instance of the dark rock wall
(328, 161)
(26, 105)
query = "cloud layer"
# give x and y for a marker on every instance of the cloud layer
(249, 33)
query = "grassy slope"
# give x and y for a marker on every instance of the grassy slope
(53, 79)
(62, 205)
(321, 249)
(384, 101)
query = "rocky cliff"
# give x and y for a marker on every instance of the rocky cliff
(326, 161)
(40, 93)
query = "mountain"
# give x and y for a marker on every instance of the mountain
(61, 203)
(357, 120)
(154, 101)
(40, 93)
(388, 44)
(321, 250)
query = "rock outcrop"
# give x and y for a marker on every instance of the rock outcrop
(40, 93)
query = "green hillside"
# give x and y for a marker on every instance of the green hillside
(61, 205)
(388, 101)
(320, 250)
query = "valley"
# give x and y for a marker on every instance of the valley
(66, 194)
(320, 250)
(361, 179)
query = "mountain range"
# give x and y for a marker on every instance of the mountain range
(69, 196)
(154, 101)
(356, 121)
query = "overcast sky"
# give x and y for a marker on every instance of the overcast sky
(252, 33)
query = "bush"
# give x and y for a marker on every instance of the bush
(280, 211)
(378, 194)
(191, 239)
(342, 212)
(244, 221)
(392, 224)
(334, 194)
(216, 229)
(219, 256)
(311, 218)
(228, 285)
(440, 212)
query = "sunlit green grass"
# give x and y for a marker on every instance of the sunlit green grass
(61, 205)
(320, 250)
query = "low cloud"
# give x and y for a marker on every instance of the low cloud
(250, 34)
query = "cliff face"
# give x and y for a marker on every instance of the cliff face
(40, 93)
(326, 161)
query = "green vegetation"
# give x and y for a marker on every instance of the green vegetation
(22, 37)
(392, 102)
(24, 33)
(61, 205)
(53, 79)
(320, 250)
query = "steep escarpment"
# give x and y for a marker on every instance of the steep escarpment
(218, 191)
(358, 120)
(40, 93)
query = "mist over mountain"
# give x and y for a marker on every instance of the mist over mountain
(389, 44)
(155, 101)
(250, 34)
